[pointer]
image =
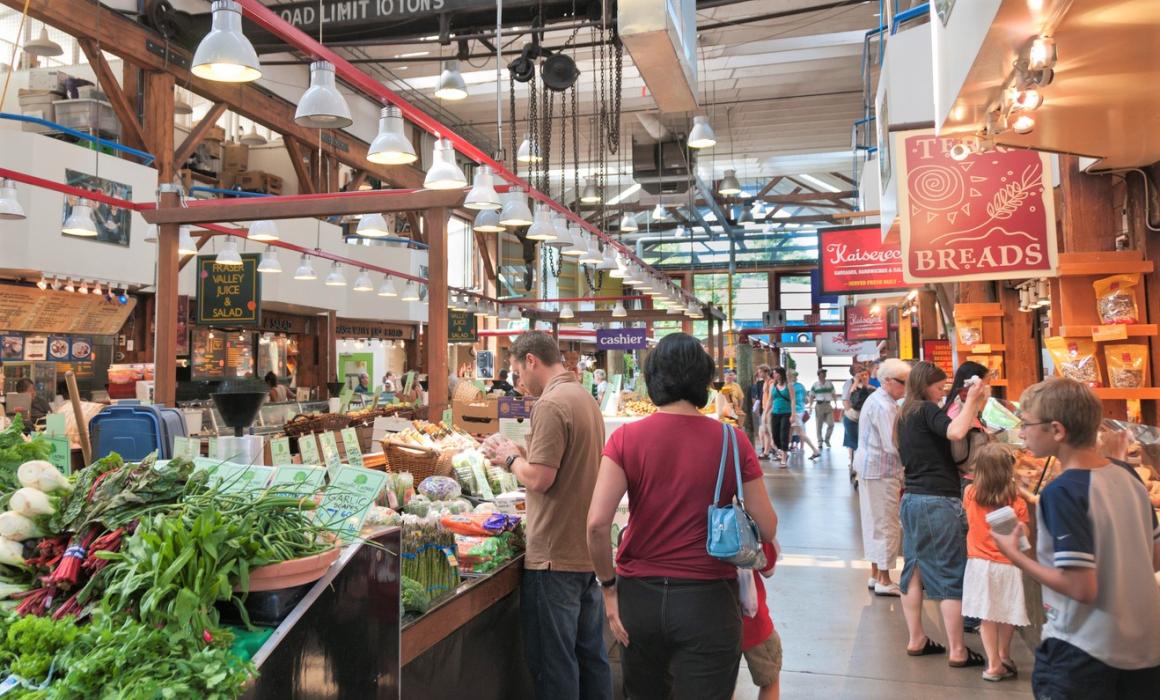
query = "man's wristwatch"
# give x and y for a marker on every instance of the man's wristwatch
(607, 584)
(507, 464)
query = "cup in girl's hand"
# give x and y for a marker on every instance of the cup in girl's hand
(1003, 521)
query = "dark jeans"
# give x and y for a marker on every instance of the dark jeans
(780, 429)
(1066, 672)
(562, 614)
(684, 638)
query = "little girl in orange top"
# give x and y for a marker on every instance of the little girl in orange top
(992, 586)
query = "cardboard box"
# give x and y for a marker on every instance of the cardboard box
(215, 133)
(47, 79)
(479, 417)
(235, 157)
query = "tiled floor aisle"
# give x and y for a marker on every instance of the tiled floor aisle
(840, 640)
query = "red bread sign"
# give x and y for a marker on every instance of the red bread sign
(989, 216)
(854, 260)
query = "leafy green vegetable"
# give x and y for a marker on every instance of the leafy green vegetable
(31, 643)
(415, 598)
(16, 450)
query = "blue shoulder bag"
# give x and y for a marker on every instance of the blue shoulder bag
(733, 536)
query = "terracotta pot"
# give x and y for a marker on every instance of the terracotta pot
(295, 572)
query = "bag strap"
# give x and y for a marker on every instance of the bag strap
(721, 468)
(736, 464)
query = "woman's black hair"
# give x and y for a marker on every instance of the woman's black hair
(271, 379)
(781, 374)
(965, 371)
(679, 369)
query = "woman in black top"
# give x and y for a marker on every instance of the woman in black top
(934, 526)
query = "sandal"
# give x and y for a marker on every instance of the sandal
(930, 648)
(995, 678)
(1010, 666)
(973, 659)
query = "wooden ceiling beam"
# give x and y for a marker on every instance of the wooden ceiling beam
(306, 184)
(197, 134)
(770, 185)
(132, 133)
(844, 178)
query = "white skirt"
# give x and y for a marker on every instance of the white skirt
(994, 591)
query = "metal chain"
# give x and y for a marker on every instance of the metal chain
(533, 127)
(512, 121)
(575, 146)
(553, 259)
(618, 79)
(594, 281)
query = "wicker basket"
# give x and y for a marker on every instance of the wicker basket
(466, 391)
(422, 462)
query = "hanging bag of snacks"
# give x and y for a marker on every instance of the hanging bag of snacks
(1127, 365)
(1075, 358)
(1116, 299)
(970, 331)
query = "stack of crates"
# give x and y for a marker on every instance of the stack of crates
(45, 86)
(91, 116)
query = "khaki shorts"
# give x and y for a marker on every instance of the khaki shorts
(764, 661)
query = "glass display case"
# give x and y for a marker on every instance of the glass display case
(271, 416)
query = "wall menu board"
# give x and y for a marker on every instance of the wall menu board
(29, 309)
(221, 355)
(228, 295)
(460, 327)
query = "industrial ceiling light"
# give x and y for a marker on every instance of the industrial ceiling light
(529, 151)
(68, 286)
(251, 137)
(451, 86)
(225, 54)
(658, 212)
(151, 234)
(1023, 124)
(373, 226)
(563, 238)
(322, 106)
(42, 46)
(619, 311)
(263, 231)
(229, 257)
(391, 146)
(42, 284)
(515, 210)
(542, 228)
(681, 231)
(493, 311)
(410, 292)
(482, 194)
(445, 173)
(181, 105)
(335, 278)
(578, 245)
(1042, 53)
(456, 303)
(693, 310)
(566, 312)
(589, 195)
(185, 244)
(387, 288)
(609, 262)
(729, 184)
(702, 135)
(621, 269)
(83, 288)
(592, 254)
(514, 313)
(746, 216)
(487, 221)
(628, 223)
(480, 309)
(270, 262)
(305, 269)
(10, 209)
(80, 220)
(363, 283)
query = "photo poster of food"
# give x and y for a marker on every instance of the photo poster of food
(59, 348)
(11, 348)
(113, 223)
(989, 216)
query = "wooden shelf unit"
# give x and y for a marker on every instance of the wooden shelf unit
(1147, 392)
(1135, 330)
(991, 315)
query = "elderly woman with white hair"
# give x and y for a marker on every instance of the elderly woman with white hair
(880, 475)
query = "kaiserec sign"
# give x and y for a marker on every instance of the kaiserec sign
(989, 216)
(854, 260)
(228, 295)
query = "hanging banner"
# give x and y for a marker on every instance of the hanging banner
(620, 338)
(460, 327)
(938, 352)
(228, 295)
(855, 260)
(837, 344)
(988, 216)
(863, 323)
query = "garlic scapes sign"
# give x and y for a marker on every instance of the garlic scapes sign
(228, 295)
(988, 216)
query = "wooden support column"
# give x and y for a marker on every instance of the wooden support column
(927, 316)
(327, 352)
(437, 299)
(1021, 361)
(158, 120)
(1087, 209)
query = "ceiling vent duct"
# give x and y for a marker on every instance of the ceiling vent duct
(669, 176)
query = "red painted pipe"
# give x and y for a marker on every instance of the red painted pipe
(533, 302)
(70, 190)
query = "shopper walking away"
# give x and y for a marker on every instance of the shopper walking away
(560, 604)
(854, 394)
(822, 402)
(801, 416)
(879, 472)
(1098, 551)
(731, 400)
(780, 402)
(673, 607)
(758, 411)
(760, 642)
(992, 586)
(934, 526)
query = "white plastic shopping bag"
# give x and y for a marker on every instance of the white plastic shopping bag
(748, 592)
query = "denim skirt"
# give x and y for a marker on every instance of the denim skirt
(934, 539)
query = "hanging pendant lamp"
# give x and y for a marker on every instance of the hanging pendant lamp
(590, 195)
(619, 311)
(391, 146)
(566, 312)
(445, 173)
(482, 194)
(410, 292)
(270, 262)
(542, 228)
(563, 239)
(229, 257)
(702, 135)
(10, 209)
(305, 269)
(372, 226)
(658, 212)
(578, 245)
(180, 104)
(387, 288)
(42, 46)
(363, 283)
(592, 254)
(80, 221)
(451, 86)
(619, 269)
(263, 231)
(729, 184)
(609, 262)
(529, 151)
(185, 244)
(487, 221)
(251, 137)
(335, 278)
(515, 210)
(628, 223)
(225, 54)
(322, 106)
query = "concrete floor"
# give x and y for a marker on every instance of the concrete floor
(840, 640)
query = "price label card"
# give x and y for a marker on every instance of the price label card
(344, 398)
(982, 348)
(213, 447)
(409, 382)
(350, 445)
(280, 452)
(330, 456)
(186, 448)
(297, 480)
(378, 395)
(61, 456)
(308, 448)
(347, 500)
(1115, 331)
(240, 478)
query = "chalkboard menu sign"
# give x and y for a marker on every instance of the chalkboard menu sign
(218, 354)
(228, 295)
(28, 309)
(460, 327)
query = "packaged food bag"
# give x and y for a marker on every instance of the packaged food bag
(993, 363)
(1116, 299)
(1075, 358)
(970, 331)
(1127, 365)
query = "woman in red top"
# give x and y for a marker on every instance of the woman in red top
(674, 608)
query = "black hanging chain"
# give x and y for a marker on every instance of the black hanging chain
(575, 147)
(552, 259)
(534, 129)
(512, 124)
(612, 126)
(592, 277)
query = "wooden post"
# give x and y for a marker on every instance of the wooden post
(720, 349)
(436, 225)
(1088, 214)
(1021, 361)
(927, 316)
(327, 352)
(158, 122)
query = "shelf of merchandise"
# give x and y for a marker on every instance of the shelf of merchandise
(1135, 330)
(1147, 392)
(991, 315)
(996, 348)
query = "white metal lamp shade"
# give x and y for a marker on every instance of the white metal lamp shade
(529, 151)
(251, 137)
(372, 226)
(578, 245)
(410, 292)
(542, 228)
(514, 314)
(681, 231)
(566, 312)
(694, 310)
(589, 195)
(151, 234)
(628, 223)
(42, 46)
(445, 173)
(592, 254)
(702, 135)
(609, 262)
(10, 209)
(487, 221)
(729, 184)
(225, 54)
(620, 270)
(335, 278)
(391, 146)
(229, 256)
(305, 269)
(619, 311)
(387, 288)
(515, 210)
(482, 194)
(270, 262)
(451, 85)
(263, 231)
(181, 106)
(322, 106)
(185, 244)
(658, 212)
(562, 239)
(80, 220)
(363, 283)
(480, 309)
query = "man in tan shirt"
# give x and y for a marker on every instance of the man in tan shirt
(561, 607)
